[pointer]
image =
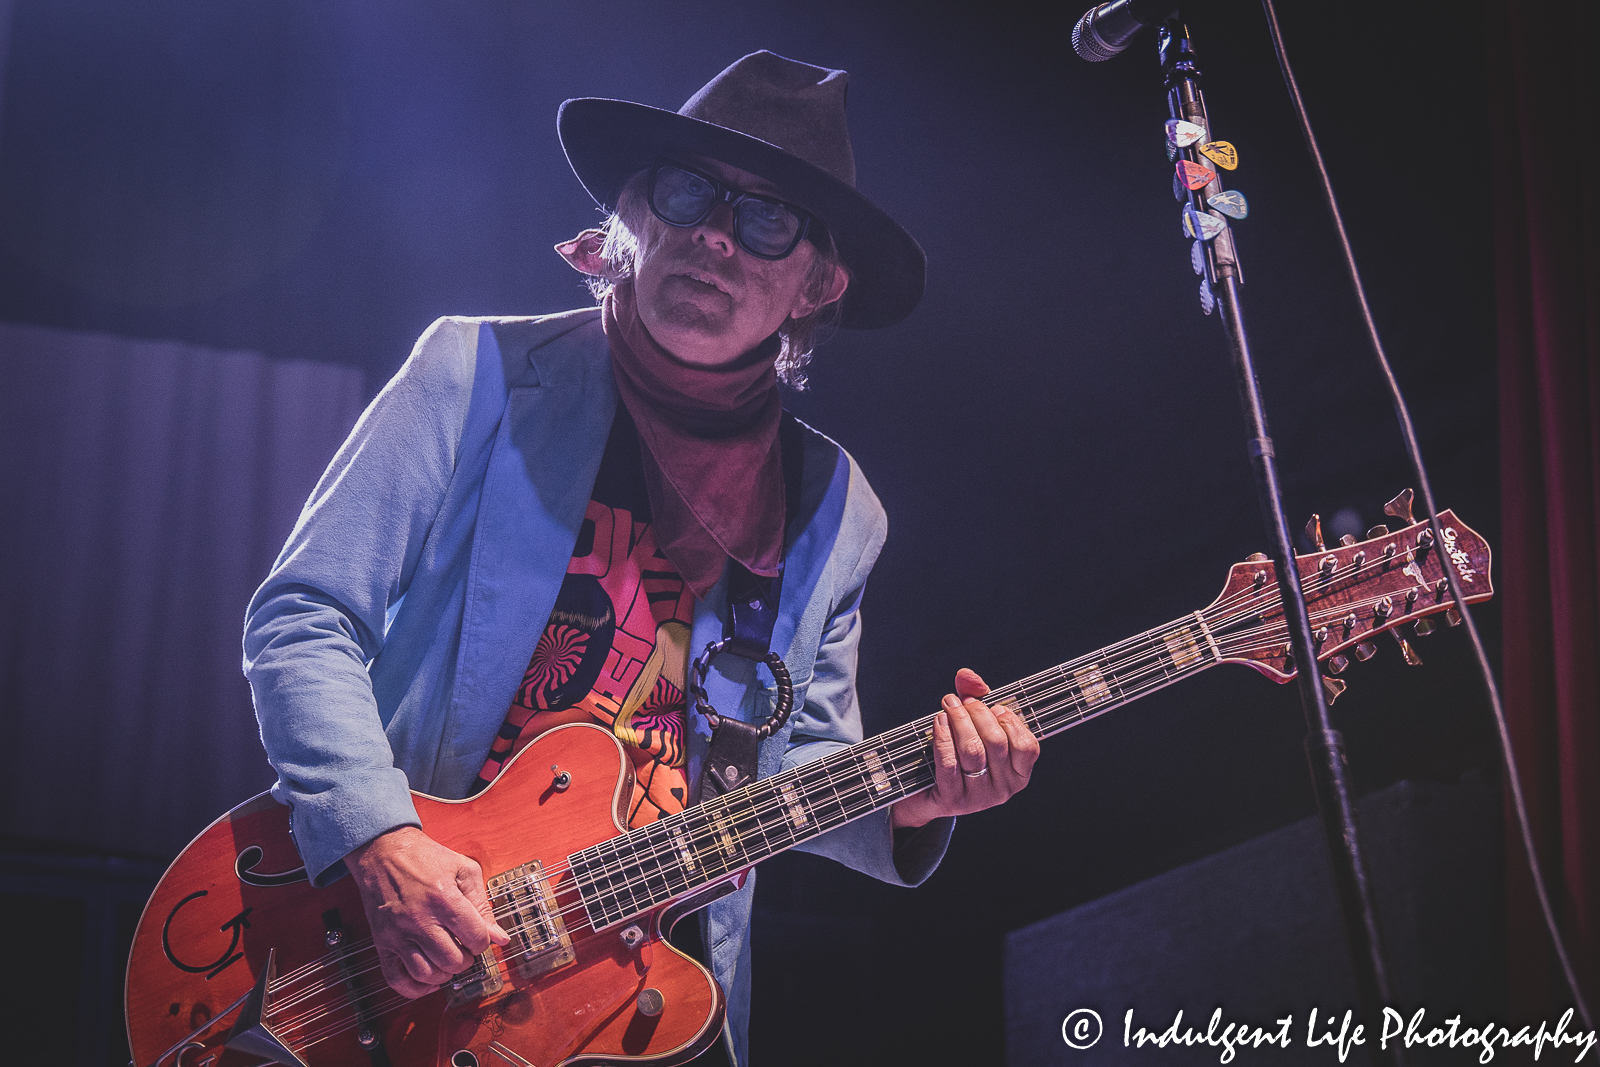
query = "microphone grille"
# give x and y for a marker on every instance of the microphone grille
(1087, 43)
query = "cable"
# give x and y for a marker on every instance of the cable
(1408, 432)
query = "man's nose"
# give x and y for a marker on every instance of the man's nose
(717, 228)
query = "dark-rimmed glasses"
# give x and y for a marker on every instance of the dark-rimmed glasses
(764, 227)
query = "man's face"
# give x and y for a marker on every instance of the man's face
(705, 299)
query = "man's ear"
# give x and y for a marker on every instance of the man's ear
(833, 291)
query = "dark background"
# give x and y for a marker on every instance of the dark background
(1055, 432)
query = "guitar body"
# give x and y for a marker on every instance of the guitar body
(238, 896)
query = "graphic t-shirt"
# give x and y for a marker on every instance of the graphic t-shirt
(616, 649)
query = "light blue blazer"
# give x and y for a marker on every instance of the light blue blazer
(385, 646)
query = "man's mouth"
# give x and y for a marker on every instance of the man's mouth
(704, 279)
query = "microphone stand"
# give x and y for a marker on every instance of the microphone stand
(1324, 745)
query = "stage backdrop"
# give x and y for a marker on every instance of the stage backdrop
(148, 485)
(1547, 282)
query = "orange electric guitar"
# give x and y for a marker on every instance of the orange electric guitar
(239, 961)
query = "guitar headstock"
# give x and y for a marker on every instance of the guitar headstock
(1353, 592)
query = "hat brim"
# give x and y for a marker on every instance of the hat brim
(608, 141)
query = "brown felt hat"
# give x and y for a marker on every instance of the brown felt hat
(776, 118)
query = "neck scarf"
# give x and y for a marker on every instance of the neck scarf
(709, 438)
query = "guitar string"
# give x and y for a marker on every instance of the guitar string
(660, 849)
(920, 743)
(887, 744)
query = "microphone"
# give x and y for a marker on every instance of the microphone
(1106, 30)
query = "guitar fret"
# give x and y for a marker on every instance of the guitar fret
(674, 856)
(834, 790)
(679, 853)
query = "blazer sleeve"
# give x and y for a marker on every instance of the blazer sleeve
(319, 618)
(830, 720)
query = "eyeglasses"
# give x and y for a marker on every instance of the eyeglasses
(766, 228)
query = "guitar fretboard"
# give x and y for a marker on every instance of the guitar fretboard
(671, 858)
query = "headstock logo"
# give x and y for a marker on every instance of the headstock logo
(1463, 561)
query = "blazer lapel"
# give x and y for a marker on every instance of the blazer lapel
(536, 488)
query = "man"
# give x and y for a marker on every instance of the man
(497, 500)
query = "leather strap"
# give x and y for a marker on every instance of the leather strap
(753, 607)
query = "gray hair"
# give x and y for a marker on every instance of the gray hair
(798, 337)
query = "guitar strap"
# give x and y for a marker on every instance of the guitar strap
(753, 607)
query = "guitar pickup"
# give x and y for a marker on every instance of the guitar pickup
(526, 909)
(478, 982)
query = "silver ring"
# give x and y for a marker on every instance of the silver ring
(976, 774)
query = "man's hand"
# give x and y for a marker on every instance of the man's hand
(427, 906)
(981, 756)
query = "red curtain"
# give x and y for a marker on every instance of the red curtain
(1545, 113)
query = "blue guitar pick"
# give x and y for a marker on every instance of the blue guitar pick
(1208, 302)
(1197, 257)
(1231, 203)
(1202, 227)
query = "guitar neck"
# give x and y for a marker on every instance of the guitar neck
(681, 853)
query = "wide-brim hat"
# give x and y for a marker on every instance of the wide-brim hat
(781, 120)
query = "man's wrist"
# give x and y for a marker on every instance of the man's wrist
(911, 813)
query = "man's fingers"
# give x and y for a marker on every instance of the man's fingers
(968, 684)
(971, 751)
(1024, 746)
(946, 765)
(986, 724)
(472, 916)
(397, 971)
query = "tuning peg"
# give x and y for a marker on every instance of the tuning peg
(1400, 507)
(1452, 617)
(1379, 530)
(1333, 687)
(1347, 539)
(1337, 664)
(1366, 650)
(1408, 653)
(1314, 533)
(1256, 557)
(1423, 627)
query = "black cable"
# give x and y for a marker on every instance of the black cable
(1408, 432)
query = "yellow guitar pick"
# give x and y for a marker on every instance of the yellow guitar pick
(1221, 153)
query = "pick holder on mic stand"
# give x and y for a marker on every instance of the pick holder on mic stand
(1324, 745)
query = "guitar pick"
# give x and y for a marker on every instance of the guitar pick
(1202, 227)
(1172, 151)
(1197, 257)
(1221, 153)
(1180, 192)
(1194, 175)
(1231, 203)
(1208, 301)
(1183, 133)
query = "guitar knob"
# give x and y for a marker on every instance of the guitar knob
(559, 778)
(1408, 653)
(651, 1002)
(1400, 507)
(1423, 627)
(1366, 650)
(1337, 664)
(1332, 688)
